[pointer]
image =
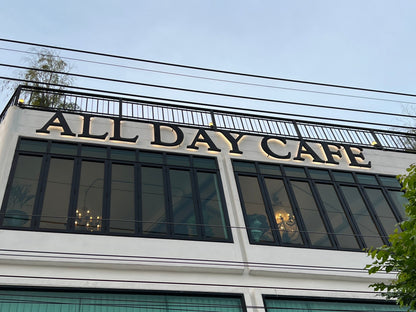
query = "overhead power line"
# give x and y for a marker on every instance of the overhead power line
(216, 106)
(219, 80)
(209, 92)
(206, 69)
(178, 283)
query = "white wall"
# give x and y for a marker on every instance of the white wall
(76, 260)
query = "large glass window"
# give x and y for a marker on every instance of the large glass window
(292, 305)
(317, 207)
(95, 189)
(20, 300)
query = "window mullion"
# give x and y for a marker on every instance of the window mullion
(40, 191)
(373, 215)
(296, 211)
(199, 220)
(324, 216)
(269, 210)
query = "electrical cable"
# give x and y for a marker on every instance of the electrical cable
(209, 92)
(176, 260)
(151, 304)
(307, 117)
(206, 69)
(217, 80)
(173, 283)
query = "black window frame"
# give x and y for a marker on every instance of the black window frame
(107, 162)
(312, 182)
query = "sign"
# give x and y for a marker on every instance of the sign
(274, 146)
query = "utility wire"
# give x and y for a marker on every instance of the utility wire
(208, 92)
(206, 69)
(131, 301)
(176, 260)
(215, 79)
(308, 118)
(177, 283)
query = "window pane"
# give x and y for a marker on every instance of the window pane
(298, 172)
(244, 166)
(399, 201)
(153, 208)
(382, 209)
(90, 197)
(283, 213)
(33, 145)
(362, 217)
(258, 224)
(94, 151)
(22, 195)
(367, 179)
(122, 154)
(270, 169)
(58, 191)
(64, 148)
(343, 176)
(211, 205)
(310, 214)
(281, 305)
(319, 174)
(122, 212)
(336, 214)
(184, 219)
(390, 181)
(208, 163)
(178, 160)
(150, 157)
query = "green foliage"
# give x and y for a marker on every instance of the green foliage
(400, 256)
(48, 69)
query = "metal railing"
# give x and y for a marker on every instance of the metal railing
(168, 112)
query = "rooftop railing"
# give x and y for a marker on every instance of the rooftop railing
(196, 116)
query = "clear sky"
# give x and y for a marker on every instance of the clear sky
(360, 43)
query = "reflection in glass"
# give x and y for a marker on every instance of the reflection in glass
(310, 214)
(208, 163)
(362, 217)
(382, 209)
(283, 213)
(153, 201)
(58, 191)
(400, 202)
(390, 181)
(257, 222)
(367, 179)
(63, 148)
(94, 151)
(336, 214)
(270, 169)
(295, 171)
(243, 166)
(343, 176)
(319, 174)
(21, 199)
(88, 215)
(211, 205)
(122, 214)
(33, 145)
(184, 219)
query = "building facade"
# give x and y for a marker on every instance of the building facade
(113, 204)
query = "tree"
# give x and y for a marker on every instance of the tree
(400, 255)
(46, 70)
